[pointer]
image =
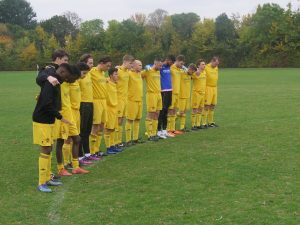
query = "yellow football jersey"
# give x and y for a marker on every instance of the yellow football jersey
(122, 85)
(112, 98)
(65, 96)
(75, 95)
(86, 88)
(99, 83)
(135, 87)
(211, 75)
(199, 82)
(152, 78)
(176, 75)
(185, 85)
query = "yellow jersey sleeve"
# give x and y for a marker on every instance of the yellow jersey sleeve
(152, 78)
(176, 75)
(112, 97)
(135, 87)
(99, 83)
(211, 75)
(75, 95)
(185, 85)
(65, 96)
(86, 88)
(199, 82)
(122, 85)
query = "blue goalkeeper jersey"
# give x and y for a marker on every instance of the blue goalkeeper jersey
(165, 77)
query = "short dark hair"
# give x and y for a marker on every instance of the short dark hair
(128, 58)
(171, 58)
(104, 59)
(180, 58)
(67, 67)
(199, 61)
(193, 66)
(59, 53)
(112, 70)
(84, 58)
(72, 70)
(215, 58)
(158, 58)
(82, 66)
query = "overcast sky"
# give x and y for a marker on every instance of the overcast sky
(120, 10)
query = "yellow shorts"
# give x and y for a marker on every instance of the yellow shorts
(76, 117)
(211, 95)
(63, 130)
(42, 134)
(154, 102)
(111, 117)
(175, 99)
(197, 100)
(100, 111)
(183, 104)
(134, 110)
(121, 108)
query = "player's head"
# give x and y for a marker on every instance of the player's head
(192, 68)
(68, 73)
(179, 61)
(157, 63)
(128, 61)
(113, 74)
(137, 66)
(215, 61)
(84, 68)
(170, 59)
(60, 56)
(200, 64)
(88, 59)
(104, 63)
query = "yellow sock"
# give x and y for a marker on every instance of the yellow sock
(99, 139)
(66, 150)
(128, 131)
(120, 135)
(136, 130)
(168, 124)
(75, 163)
(149, 126)
(154, 127)
(204, 117)
(49, 167)
(210, 116)
(172, 122)
(112, 138)
(60, 166)
(182, 121)
(193, 119)
(198, 119)
(92, 140)
(43, 168)
(107, 139)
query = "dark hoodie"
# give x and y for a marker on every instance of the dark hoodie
(49, 100)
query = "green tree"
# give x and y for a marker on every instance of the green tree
(60, 27)
(184, 23)
(92, 35)
(18, 12)
(203, 40)
(226, 40)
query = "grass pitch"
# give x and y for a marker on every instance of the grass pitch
(245, 172)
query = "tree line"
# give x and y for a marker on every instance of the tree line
(269, 37)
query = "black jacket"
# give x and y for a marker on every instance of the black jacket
(49, 100)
